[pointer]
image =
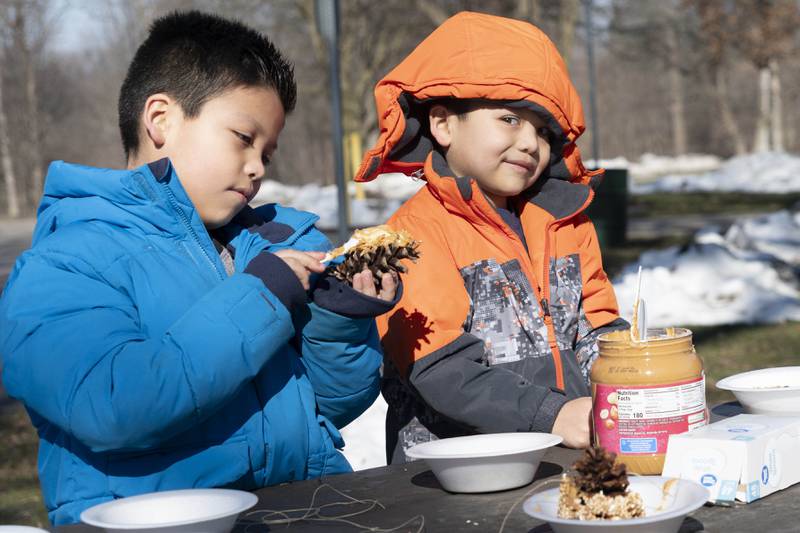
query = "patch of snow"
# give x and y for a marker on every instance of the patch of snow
(365, 437)
(650, 166)
(775, 172)
(383, 196)
(749, 274)
(395, 186)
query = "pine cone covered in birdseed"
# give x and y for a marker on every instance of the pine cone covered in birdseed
(596, 471)
(379, 249)
(597, 489)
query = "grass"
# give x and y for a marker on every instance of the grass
(705, 203)
(20, 499)
(725, 350)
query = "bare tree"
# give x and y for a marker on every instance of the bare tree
(435, 12)
(713, 40)
(369, 46)
(647, 31)
(776, 106)
(10, 179)
(667, 73)
(31, 29)
(765, 31)
(568, 11)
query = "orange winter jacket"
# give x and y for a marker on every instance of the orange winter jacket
(492, 333)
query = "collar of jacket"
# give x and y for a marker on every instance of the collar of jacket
(559, 198)
(149, 198)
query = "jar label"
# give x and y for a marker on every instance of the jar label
(639, 419)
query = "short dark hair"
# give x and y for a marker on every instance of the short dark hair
(193, 57)
(458, 106)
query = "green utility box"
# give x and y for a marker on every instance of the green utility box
(609, 209)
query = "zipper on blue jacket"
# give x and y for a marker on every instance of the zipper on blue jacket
(188, 225)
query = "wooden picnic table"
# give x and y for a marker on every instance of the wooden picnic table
(409, 492)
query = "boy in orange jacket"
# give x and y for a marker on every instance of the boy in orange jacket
(498, 324)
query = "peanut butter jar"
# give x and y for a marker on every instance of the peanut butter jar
(643, 392)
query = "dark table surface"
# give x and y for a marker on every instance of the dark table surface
(411, 495)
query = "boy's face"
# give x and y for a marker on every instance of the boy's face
(505, 149)
(221, 154)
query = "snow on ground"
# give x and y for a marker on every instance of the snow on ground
(383, 196)
(650, 166)
(748, 274)
(758, 173)
(365, 438)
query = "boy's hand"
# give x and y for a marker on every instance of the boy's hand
(364, 282)
(572, 422)
(302, 263)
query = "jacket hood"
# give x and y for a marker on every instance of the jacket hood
(145, 197)
(476, 56)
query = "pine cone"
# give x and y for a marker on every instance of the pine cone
(596, 472)
(379, 249)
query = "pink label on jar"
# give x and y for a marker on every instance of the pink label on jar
(639, 419)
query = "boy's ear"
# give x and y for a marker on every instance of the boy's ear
(439, 119)
(156, 118)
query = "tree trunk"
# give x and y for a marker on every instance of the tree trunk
(33, 141)
(567, 17)
(791, 134)
(12, 200)
(761, 139)
(529, 10)
(729, 125)
(776, 107)
(677, 106)
(435, 13)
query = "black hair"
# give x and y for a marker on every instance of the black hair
(193, 57)
(458, 106)
(461, 106)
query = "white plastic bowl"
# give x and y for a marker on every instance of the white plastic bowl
(664, 509)
(485, 463)
(175, 511)
(769, 391)
(21, 529)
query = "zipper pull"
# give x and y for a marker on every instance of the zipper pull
(545, 307)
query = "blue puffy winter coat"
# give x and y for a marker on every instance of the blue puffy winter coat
(145, 367)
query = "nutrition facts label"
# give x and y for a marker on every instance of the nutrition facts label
(640, 419)
(661, 402)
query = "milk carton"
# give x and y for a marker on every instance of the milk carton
(744, 457)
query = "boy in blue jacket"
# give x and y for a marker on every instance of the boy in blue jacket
(161, 333)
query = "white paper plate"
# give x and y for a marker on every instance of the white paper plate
(176, 511)
(664, 509)
(485, 463)
(769, 391)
